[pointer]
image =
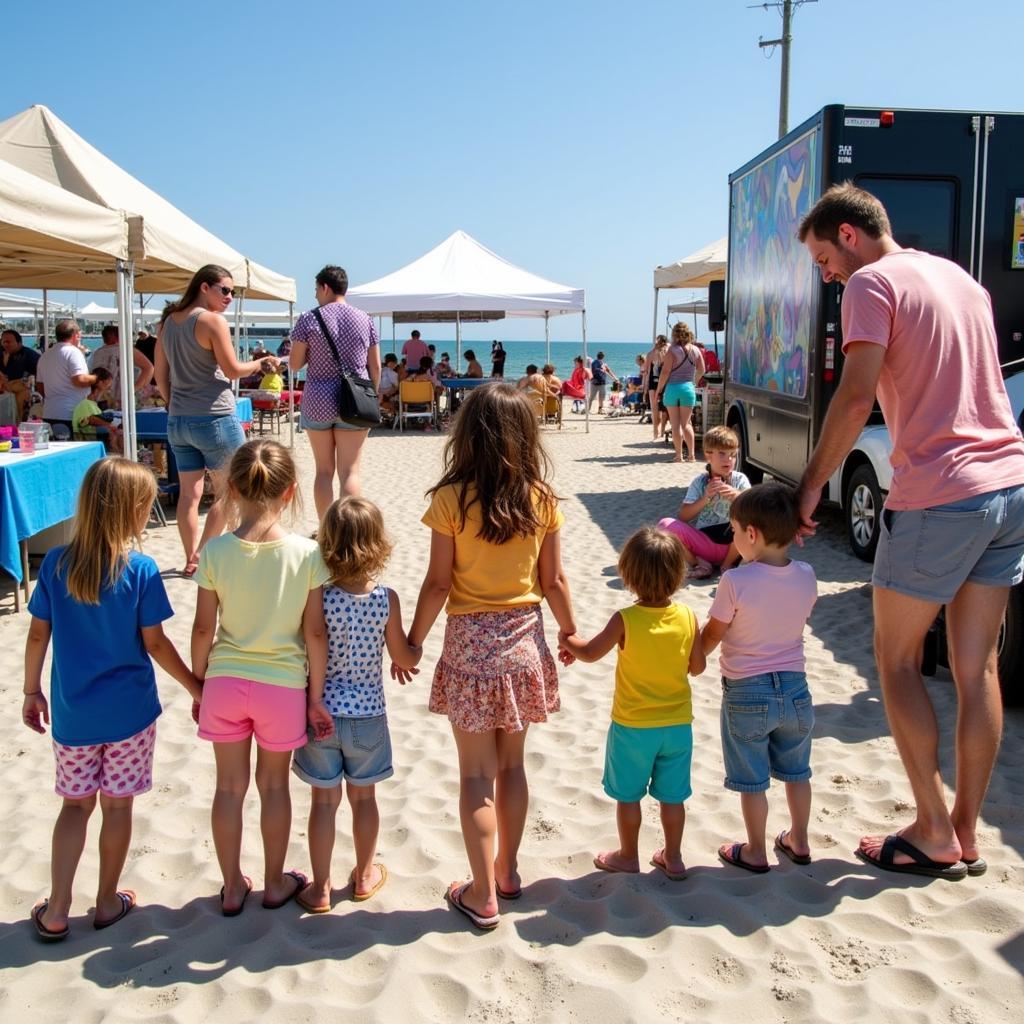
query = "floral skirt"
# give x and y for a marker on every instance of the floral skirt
(496, 671)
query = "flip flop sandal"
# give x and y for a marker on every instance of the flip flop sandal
(454, 897)
(658, 861)
(603, 865)
(921, 863)
(361, 897)
(508, 894)
(241, 906)
(977, 867)
(46, 934)
(127, 898)
(787, 851)
(312, 908)
(301, 881)
(733, 857)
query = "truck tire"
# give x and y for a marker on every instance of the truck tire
(863, 509)
(1011, 649)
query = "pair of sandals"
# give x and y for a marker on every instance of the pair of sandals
(701, 571)
(126, 897)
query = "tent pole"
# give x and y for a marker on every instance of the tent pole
(46, 318)
(654, 331)
(238, 335)
(547, 338)
(586, 384)
(291, 382)
(458, 338)
(125, 284)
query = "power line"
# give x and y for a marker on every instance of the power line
(788, 8)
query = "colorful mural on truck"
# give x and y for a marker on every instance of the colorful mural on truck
(771, 277)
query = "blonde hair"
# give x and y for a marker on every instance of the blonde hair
(352, 540)
(681, 330)
(113, 505)
(261, 472)
(720, 439)
(652, 564)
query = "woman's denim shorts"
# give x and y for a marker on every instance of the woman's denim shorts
(767, 721)
(204, 442)
(305, 423)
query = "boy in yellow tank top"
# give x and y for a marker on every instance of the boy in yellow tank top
(650, 740)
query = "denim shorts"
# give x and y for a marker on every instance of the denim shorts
(656, 760)
(305, 423)
(682, 394)
(359, 752)
(930, 553)
(766, 730)
(204, 442)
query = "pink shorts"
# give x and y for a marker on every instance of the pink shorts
(696, 541)
(120, 769)
(234, 709)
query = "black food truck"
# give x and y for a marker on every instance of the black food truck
(952, 183)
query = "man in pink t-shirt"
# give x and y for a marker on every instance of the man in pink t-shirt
(918, 332)
(414, 350)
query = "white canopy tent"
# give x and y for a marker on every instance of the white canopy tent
(164, 246)
(697, 270)
(461, 280)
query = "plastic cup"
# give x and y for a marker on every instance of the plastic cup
(27, 441)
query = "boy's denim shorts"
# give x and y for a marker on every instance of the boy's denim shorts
(359, 751)
(204, 442)
(767, 721)
(930, 553)
(657, 759)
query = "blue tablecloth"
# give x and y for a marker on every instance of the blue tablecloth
(38, 491)
(455, 383)
(151, 424)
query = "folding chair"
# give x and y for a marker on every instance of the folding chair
(413, 395)
(553, 410)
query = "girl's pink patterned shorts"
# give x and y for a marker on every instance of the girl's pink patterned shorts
(120, 769)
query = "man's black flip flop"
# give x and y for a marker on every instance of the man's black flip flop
(921, 864)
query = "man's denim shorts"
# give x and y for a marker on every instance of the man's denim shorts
(657, 759)
(359, 752)
(204, 442)
(930, 553)
(766, 730)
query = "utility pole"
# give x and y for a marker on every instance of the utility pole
(785, 42)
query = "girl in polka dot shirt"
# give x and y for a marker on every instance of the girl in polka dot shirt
(362, 618)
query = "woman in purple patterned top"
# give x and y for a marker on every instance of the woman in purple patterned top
(337, 446)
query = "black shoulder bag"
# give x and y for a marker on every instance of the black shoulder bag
(357, 397)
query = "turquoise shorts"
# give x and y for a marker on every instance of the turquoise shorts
(679, 394)
(641, 761)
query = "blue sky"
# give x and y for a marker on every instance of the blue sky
(585, 141)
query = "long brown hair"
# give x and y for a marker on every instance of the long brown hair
(210, 274)
(495, 451)
(115, 497)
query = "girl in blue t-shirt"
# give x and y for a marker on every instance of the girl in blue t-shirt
(103, 694)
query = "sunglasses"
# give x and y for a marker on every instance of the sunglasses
(224, 289)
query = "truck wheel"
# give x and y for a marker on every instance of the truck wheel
(1011, 649)
(863, 507)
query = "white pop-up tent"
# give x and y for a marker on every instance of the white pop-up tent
(697, 270)
(165, 247)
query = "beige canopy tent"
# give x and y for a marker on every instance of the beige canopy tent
(697, 270)
(165, 247)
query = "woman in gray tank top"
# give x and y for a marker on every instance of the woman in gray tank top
(681, 370)
(195, 363)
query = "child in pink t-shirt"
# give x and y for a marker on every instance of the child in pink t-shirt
(758, 616)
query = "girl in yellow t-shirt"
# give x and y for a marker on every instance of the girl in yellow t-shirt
(494, 555)
(650, 740)
(264, 672)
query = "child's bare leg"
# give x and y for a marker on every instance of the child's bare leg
(365, 830)
(798, 796)
(511, 803)
(755, 817)
(69, 833)
(323, 812)
(731, 558)
(226, 816)
(272, 778)
(673, 818)
(478, 766)
(628, 819)
(115, 838)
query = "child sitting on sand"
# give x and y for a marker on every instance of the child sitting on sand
(361, 618)
(758, 616)
(650, 739)
(103, 605)
(708, 541)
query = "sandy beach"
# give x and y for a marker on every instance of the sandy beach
(832, 941)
